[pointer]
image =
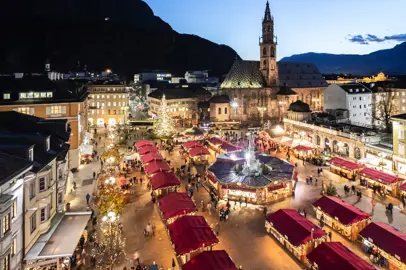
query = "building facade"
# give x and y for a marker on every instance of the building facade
(108, 104)
(53, 100)
(256, 85)
(399, 143)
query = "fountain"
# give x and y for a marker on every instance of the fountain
(251, 165)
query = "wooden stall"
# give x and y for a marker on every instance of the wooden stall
(345, 168)
(385, 183)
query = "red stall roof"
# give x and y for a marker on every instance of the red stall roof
(403, 186)
(216, 140)
(192, 144)
(147, 149)
(163, 180)
(276, 187)
(336, 208)
(176, 204)
(335, 256)
(346, 164)
(212, 178)
(229, 147)
(156, 166)
(303, 148)
(199, 151)
(210, 260)
(151, 157)
(143, 143)
(382, 177)
(297, 228)
(189, 233)
(387, 238)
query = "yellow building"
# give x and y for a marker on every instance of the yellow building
(108, 104)
(41, 97)
(399, 143)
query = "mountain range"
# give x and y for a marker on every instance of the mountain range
(123, 35)
(389, 61)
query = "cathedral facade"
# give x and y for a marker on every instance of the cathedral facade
(264, 89)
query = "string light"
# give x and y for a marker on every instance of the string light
(164, 125)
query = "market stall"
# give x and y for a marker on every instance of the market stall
(302, 151)
(385, 183)
(156, 166)
(175, 205)
(86, 153)
(199, 155)
(222, 146)
(210, 260)
(298, 234)
(385, 245)
(343, 217)
(402, 189)
(147, 149)
(191, 144)
(335, 256)
(191, 235)
(344, 168)
(194, 132)
(150, 157)
(143, 143)
(164, 181)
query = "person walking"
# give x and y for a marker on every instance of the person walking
(173, 264)
(209, 208)
(217, 229)
(94, 175)
(330, 235)
(87, 198)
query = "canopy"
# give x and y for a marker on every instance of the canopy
(346, 164)
(382, 177)
(194, 131)
(176, 204)
(210, 260)
(403, 187)
(144, 143)
(151, 157)
(303, 148)
(340, 210)
(66, 228)
(229, 147)
(190, 233)
(386, 238)
(191, 144)
(147, 149)
(216, 140)
(163, 180)
(296, 228)
(335, 256)
(156, 166)
(199, 151)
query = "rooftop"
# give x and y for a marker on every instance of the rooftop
(12, 166)
(355, 88)
(179, 93)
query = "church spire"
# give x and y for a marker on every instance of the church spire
(267, 17)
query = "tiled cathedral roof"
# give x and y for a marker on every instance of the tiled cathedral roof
(244, 74)
(300, 75)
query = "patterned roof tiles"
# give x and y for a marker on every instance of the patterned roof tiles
(244, 74)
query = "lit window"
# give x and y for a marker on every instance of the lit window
(403, 93)
(23, 95)
(56, 109)
(93, 104)
(36, 95)
(43, 215)
(114, 104)
(119, 104)
(13, 248)
(33, 221)
(108, 96)
(98, 96)
(92, 111)
(403, 100)
(108, 104)
(403, 108)
(6, 96)
(43, 95)
(26, 110)
(42, 184)
(6, 262)
(14, 209)
(6, 223)
(102, 96)
(102, 112)
(114, 96)
(98, 105)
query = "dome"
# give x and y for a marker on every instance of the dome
(299, 106)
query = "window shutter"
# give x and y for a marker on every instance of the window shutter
(63, 109)
(48, 110)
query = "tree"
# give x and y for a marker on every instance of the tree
(331, 190)
(164, 125)
(384, 106)
(111, 199)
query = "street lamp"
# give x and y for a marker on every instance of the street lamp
(261, 111)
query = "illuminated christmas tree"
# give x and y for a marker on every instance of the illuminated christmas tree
(164, 125)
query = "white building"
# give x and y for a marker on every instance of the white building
(160, 76)
(199, 76)
(356, 98)
(13, 171)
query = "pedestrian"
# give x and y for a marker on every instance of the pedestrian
(81, 241)
(217, 229)
(265, 210)
(330, 235)
(209, 208)
(246, 201)
(373, 204)
(153, 228)
(173, 264)
(87, 198)
(94, 175)
(304, 212)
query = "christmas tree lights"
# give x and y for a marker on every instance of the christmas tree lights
(164, 125)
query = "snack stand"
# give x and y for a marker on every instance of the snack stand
(344, 168)
(164, 182)
(341, 216)
(175, 205)
(210, 260)
(384, 181)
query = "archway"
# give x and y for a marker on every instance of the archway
(346, 150)
(318, 140)
(335, 147)
(327, 145)
(357, 152)
(90, 121)
(100, 122)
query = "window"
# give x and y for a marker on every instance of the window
(108, 112)
(56, 109)
(119, 103)
(108, 104)
(93, 104)
(26, 110)
(219, 111)
(6, 223)
(98, 105)
(403, 100)
(42, 184)
(43, 214)
(272, 52)
(225, 110)
(6, 262)
(48, 144)
(49, 94)
(264, 51)
(13, 248)
(43, 95)
(14, 208)
(6, 96)
(60, 198)
(365, 105)
(114, 96)
(97, 96)
(102, 111)
(33, 222)
(31, 154)
(403, 93)
(114, 103)
(23, 95)
(401, 134)
(36, 95)
(360, 98)
(403, 108)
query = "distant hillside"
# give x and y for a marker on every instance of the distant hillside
(124, 36)
(390, 61)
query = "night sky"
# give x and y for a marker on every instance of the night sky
(333, 26)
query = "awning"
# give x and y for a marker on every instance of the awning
(296, 228)
(386, 238)
(151, 157)
(403, 187)
(216, 141)
(340, 210)
(229, 147)
(335, 256)
(190, 233)
(176, 204)
(142, 143)
(191, 144)
(66, 229)
(210, 260)
(162, 180)
(303, 148)
(157, 166)
(346, 164)
(147, 149)
(382, 177)
(198, 151)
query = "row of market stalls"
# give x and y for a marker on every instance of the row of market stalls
(196, 151)
(191, 236)
(309, 243)
(387, 183)
(221, 146)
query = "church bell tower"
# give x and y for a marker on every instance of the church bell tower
(267, 43)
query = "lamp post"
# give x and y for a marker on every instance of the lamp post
(261, 112)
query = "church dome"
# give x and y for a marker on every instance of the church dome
(299, 106)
